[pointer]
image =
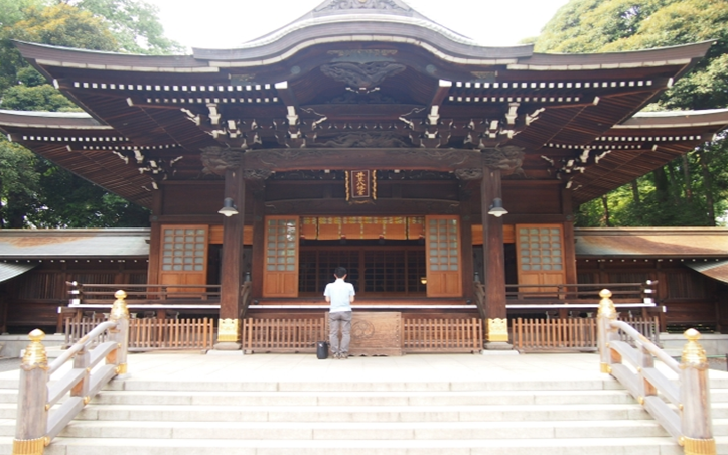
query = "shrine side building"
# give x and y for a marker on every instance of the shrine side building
(439, 172)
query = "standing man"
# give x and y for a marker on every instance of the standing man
(340, 295)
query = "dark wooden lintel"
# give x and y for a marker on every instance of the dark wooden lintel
(382, 159)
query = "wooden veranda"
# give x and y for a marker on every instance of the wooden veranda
(183, 317)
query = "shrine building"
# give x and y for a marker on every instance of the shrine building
(442, 174)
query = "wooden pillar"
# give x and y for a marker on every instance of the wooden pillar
(494, 277)
(232, 263)
(155, 237)
(466, 252)
(258, 260)
(569, 238)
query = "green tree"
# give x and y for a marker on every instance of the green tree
(688, 191)
(135, 25)
(34, 192)
(19, 183)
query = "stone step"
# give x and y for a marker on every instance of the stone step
(554, 446)
(362, 398)
(363, 413)
(364, 431)
(211, 386)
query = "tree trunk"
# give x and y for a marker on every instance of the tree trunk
(635, 192)
(708, 184)
(605, 206)
(662, 186)
(672, 188)
(688, 182)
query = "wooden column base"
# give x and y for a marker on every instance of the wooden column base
(698, 446)
(228, 331)
(496, 330)
(29, 446)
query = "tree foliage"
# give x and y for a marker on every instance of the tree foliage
(690, 191)
(33, 191)
(134, 24)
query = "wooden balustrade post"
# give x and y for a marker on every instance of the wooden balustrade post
(119, 334)
(32, 415)
(646, 389)
(697, 426)
(82, 389)
(605, 333)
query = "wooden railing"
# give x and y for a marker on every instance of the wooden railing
(572, 333)
(35, 425)
(419, 334)
(550, 334)
(151, 333)
(479, 291)
(578, 295)
(442, 335)
(246, 296)
(682, 408)
(283, 335)
(179, 294)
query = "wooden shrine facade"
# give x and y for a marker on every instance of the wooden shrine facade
(364, 134)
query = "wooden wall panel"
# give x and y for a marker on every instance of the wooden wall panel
(216, 231)
(509, 235)
(204, 199)
(532, 199)
(444, 263)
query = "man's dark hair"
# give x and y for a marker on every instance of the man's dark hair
(340, 272)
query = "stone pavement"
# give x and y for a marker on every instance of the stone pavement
(412, 368)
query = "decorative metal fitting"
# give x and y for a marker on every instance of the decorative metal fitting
(35, 354)
(28, 446)
(121, 368)
(641, 400)
(228, 330)
(86, 400)
(693, 353)
(698, 446)
(606, 306)
(119, 310)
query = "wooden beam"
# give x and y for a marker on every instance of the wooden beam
(282, 160)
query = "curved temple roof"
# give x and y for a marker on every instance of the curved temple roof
(370, 75)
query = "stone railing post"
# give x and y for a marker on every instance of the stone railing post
(605, 333)
(120, 334)
(32, 416)
(697, 426)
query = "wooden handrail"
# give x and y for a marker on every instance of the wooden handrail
(480, 299)
(153, 294)
(688, 420)
(245, 298)
(35, 427)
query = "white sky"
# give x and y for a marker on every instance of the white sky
(228, 23)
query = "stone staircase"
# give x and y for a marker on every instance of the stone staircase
(201, 418)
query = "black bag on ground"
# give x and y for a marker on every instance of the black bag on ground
(322, 349)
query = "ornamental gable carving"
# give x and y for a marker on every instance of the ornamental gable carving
(368, 140)
(362, 76)
(361, 4)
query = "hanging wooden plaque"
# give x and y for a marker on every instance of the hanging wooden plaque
(361, 186)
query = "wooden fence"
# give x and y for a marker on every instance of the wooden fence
(442, 335)
(146, 334)
(419, 335)
(571, 333)
(283, 335)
